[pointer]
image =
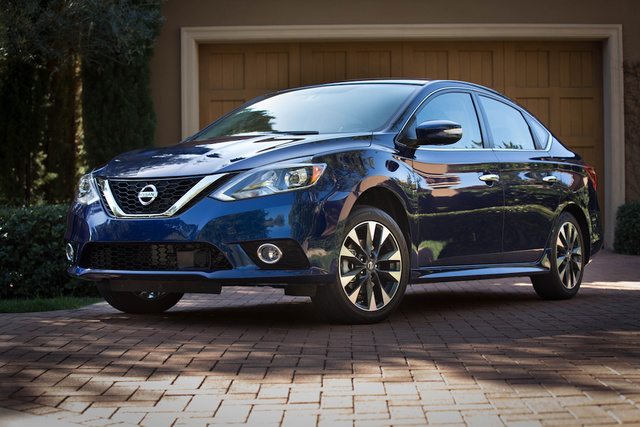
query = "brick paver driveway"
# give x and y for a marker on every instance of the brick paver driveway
(475, 353)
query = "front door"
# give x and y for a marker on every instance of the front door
(460, 190)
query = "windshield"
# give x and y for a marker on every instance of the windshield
(326, 109)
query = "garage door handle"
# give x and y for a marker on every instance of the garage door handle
(550, 179)
(490, 178)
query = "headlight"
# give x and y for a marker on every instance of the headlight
(270, 180)
(86, 192)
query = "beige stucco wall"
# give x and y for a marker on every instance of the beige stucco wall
(206, 13)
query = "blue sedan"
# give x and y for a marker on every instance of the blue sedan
(343, 192)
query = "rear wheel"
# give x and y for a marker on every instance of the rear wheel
(140, 302)
(373, 269)
(567, 262)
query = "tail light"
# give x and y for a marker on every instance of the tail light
(591, 171)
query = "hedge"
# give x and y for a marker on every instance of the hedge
(32, 254)
(627, 233)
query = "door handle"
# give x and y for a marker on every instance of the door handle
(489, 178)
(550, 179)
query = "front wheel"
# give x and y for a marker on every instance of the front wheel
(567, 262)
(140, 302)
(373, 270)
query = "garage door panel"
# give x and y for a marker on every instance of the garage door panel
(476, 67)
(424, 62)
(375, 60)
(560, 71)
(371, 65)
(539, 107)
(271, 70)
(529, 66)
(577, 117)
(222, 71)
(321, 66)
(480, 62)
(217, 109)
(328, 62)
(532, 69)
(576, 69)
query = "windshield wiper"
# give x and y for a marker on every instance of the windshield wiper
(296, 132)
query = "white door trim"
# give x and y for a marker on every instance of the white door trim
(610, 35)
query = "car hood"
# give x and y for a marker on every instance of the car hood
(228, 154)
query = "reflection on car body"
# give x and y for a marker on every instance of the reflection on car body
(343, 192)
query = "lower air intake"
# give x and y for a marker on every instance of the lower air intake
(153, 257)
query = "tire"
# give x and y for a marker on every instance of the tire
(140, 302)
(567, 262)
(373, 270)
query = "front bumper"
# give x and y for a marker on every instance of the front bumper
(210, 245)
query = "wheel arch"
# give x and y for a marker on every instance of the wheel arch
(388, 202)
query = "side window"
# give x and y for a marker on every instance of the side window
(540, 133)
(456, 107)
(508, 127)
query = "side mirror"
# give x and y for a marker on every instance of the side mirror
(438, 132)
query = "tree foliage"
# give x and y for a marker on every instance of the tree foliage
(23, 90)
(118, 109)
(43, 46)
(37, 31)
(117, 104)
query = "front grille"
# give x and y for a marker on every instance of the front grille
(153, 257)
(100, 182)
(125, 192)
(120, 197)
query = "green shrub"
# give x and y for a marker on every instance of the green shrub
(32, 254)
(627, 234)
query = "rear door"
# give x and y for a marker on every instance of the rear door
(532, 183)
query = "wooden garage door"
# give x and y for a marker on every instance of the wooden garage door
(559, 82)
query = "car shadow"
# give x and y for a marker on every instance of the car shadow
(505, 306)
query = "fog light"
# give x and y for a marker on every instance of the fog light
(71, 252)
(269, 253)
